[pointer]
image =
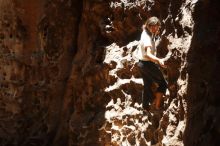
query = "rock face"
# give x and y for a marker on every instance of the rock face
(68, 75)
(203, 85)
(38, 42)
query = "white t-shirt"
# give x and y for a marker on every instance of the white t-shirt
(145, 41)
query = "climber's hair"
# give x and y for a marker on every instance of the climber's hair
(151, 22)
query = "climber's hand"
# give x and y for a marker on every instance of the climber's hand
(162, 63)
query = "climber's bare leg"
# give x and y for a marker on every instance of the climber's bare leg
(158, 99)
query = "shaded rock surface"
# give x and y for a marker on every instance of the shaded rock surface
(68, 74)
(203, 83)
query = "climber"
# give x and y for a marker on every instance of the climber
(149, 65)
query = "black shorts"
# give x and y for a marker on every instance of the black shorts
(151, 74)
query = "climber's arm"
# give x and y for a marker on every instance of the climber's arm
(152, 57)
